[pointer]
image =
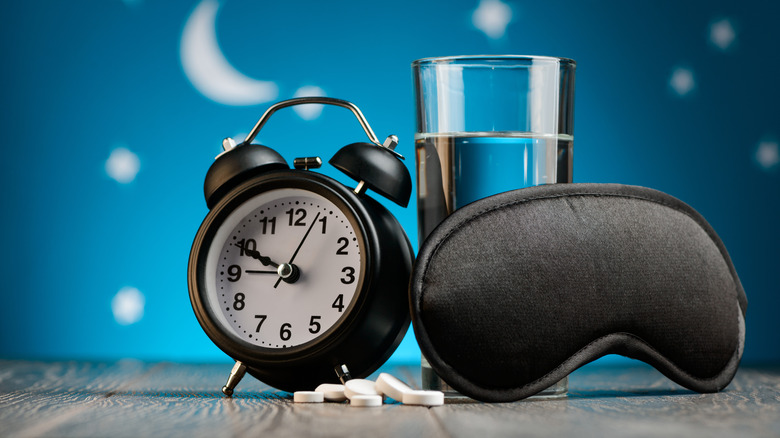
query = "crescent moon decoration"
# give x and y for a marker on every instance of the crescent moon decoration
(208, 70)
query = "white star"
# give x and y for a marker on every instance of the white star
(767, 154)
(682, 81)
(122, 165)
(309, 111)
(128, 306)
(492, 18)
(722, 34)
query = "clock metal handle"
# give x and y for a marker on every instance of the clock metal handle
(389, 143)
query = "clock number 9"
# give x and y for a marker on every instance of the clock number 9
(234, 273)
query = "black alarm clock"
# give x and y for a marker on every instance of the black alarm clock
(297, 277)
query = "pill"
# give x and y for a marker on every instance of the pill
(359, 387)
(365, 400)
(308, 397)
(391, 386)
(333, 392)
(423, 398)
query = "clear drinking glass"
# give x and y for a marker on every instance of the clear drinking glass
(486, 125)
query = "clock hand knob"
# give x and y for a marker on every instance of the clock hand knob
(288, 272)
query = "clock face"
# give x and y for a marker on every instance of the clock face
(284, 268)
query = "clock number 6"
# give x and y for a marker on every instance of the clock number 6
(285, 334)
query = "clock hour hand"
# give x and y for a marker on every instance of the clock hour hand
(286, 271)
(266, 261)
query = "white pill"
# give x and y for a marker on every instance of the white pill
(308, 397)
(332, 391)
(423, 398)
(363, 401)
(359, 387)
(391, 386)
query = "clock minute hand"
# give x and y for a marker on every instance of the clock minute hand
(298, 248)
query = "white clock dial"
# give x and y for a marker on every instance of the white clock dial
(284, 268)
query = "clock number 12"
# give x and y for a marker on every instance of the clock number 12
(300, 214)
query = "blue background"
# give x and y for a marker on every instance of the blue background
(81, 79)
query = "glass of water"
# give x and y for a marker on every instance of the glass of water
(486, 125)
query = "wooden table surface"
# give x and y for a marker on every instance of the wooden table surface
(131, 398)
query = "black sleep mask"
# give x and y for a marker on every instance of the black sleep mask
(513, 292)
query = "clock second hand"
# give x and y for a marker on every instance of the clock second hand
(299, 247)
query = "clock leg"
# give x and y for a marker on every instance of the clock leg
(343, 373)
(236, 374)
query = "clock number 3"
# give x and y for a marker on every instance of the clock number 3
(349, 275)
